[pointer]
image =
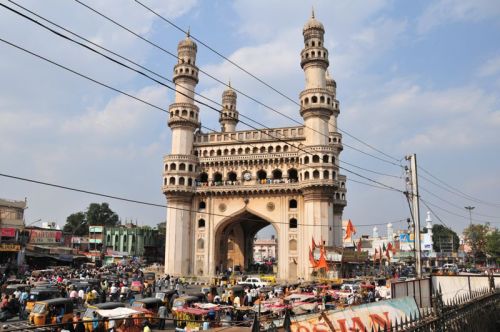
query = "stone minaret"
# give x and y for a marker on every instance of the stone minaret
(229, 115)
(318, 158)
(181, 164)
(331, 86)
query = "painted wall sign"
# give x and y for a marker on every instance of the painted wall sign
(357, 318)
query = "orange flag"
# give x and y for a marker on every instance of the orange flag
(311, 259)
(322, 260)
(350, 230)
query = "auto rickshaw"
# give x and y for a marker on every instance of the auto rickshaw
(183, 302)
(88, 316)
(151, 305)
(41, 294)
(10, 289)
(166, 297)
(59, 310)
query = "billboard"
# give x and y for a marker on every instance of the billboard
(358, 318)
(40, 236)
(406, 238)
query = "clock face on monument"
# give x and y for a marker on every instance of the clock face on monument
(247, 176)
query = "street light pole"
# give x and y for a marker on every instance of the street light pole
(470, 208)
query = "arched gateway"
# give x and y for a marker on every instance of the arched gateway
(223, 187)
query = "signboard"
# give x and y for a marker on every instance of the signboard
(10, 247)
(8, 232)
(45, 236)
(354, 256)
(358, 318)
(406, 238)
(95, 229)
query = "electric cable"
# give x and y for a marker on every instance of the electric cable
(459, 192)
(257, 78)
(143, 74)
(220, 81)
(166, 111)
(456, 214)
(453, 204)
(119, 198)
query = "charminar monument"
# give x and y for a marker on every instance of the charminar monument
(222, 188)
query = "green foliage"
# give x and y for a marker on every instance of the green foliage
(162, 228)
(101, 214)
(475, 237)
(493, 244)
(76, 224)
(442, 235)
(97, 214)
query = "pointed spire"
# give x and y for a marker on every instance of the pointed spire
(188, 34)
(229, 84)
(312, 11)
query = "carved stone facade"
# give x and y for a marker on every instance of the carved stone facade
(222, 188)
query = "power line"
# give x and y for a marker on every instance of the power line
(166, 111)
(455, 214)
(119, 198)
(258, 79)
(457, 191)
(434, 213)
(455, 205)
(225, 84)
(371, 171)
(151, 78)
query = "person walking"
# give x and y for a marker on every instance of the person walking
(162, 315)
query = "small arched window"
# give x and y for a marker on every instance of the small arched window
(203, 177)
(255, 150)
(326, 175)
(306, 100)
(292, 204)
(219, 152)
(171, 181)
(285, 148)
(292, 174)
(261, 175)
(231, 176)
(190, 168)
(263, 149)
(314, 99)
(190, 182)
(270, 149)
(201, 206)
(325, 158)
(201, 223)
(200, 244)
(277, 174)
(293, 223)
(182, 167)
(278, 148)
(173, 167)
(217, 177)
(240, 151)
(306, 175)
(315, 158)
(247, 150)
(184, 113)
(182, 181)
(322, 99)
(316, 174)
(306, 160)
(166, 167)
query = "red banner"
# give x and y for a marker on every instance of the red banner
(8, 232)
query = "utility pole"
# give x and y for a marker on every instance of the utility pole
(472, 234)
(416, 212)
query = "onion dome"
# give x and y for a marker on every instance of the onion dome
(313, 23)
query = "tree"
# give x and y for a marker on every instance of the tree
(97, 214)
(444, 238)
(475, 237)
(76, 224)
(162, 228)
(101, 214)
(493, 244)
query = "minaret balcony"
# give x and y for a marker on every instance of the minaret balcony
(185, 70)
(314, 54)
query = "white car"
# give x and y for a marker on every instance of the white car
(254, 281)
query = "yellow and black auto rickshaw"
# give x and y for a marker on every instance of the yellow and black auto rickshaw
(41, 294)
(150, 306)
(59, 310)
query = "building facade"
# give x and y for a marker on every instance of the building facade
(222, 188)
(264, 250)
(11, 226)
(135, 241)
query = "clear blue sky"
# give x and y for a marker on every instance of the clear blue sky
(413, 76)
